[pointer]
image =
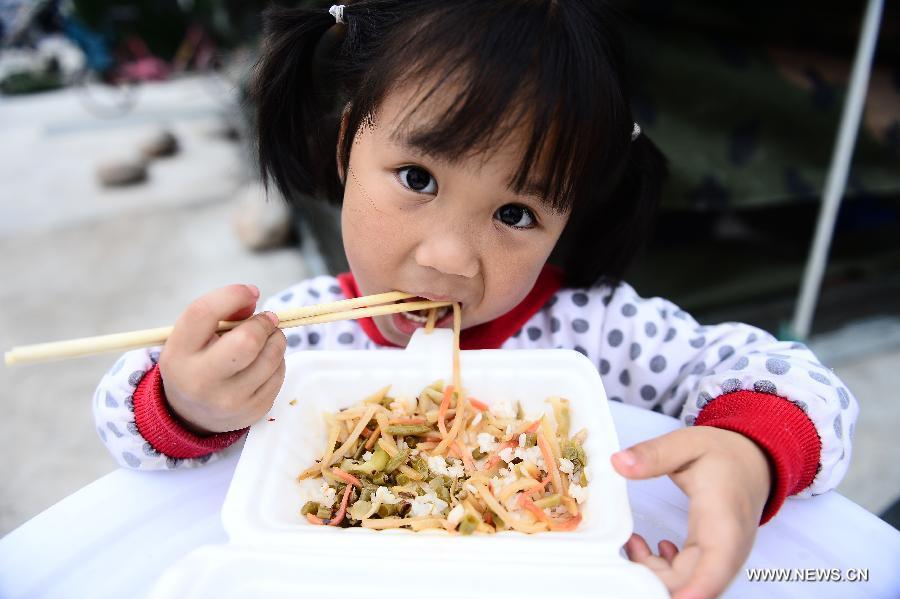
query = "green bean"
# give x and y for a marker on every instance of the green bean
(468, 524)
(439, 484)
(396, 461)
(420, 465)
(402, 479)
(358, 510)
(379, 459)
(359, 451)
(408, 429)
(574, 452)
(530, 439)
(457, 489)
(376, 464)
(309, 507)
(385, 510)
(548, 502)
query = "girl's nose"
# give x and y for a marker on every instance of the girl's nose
(449, 253)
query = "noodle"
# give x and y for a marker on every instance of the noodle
(486, 473)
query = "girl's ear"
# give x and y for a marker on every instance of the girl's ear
(342, 131)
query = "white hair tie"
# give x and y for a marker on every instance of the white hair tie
(337, 11)
(635, 132)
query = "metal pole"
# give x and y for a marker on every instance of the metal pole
(837, 172)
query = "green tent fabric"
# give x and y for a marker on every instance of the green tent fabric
(748, 113)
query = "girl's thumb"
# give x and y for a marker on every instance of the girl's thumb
(659, 456)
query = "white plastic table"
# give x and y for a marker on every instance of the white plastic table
(115, 537)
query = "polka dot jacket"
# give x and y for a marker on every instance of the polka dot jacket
(649, 353)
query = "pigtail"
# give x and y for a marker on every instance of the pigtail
(296, 130)
(619, 224)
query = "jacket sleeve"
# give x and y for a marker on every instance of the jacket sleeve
(132, 415)
(131, 418)
(652, 354)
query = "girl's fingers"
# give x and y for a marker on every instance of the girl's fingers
(662, 455)
(263, 367)
(710, 577)
(668, 550)
(636, 548)
(265, 395)
(200, 321)
(240, 347)
(639, 552)
(242, 314)
(721, 542)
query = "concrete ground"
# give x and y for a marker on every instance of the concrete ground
(79, 260)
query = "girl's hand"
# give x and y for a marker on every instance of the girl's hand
(727, 478)
(224, 382)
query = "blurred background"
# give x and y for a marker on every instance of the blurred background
(127, 189)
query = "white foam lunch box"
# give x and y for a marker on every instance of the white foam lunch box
(273, 552)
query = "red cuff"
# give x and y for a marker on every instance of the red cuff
(780, 428)
(159, 427)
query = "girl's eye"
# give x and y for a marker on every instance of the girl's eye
(518, 217)
(417, 179)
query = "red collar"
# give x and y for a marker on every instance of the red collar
(489, 335)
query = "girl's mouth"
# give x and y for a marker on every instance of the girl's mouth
(408, 322)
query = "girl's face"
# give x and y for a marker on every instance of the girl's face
(440, 230)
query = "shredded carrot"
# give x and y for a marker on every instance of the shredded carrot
(366, 433)
(531, 427)
(537, 487)
(458, 422)
(313, 519)
(571, 505)
(346, 477)
(515, 487)
(566, 525)
(373, 438)
(478, 405)
(550, 462)
(442, 411)
(538, 513)
(495, 457)
(465, 455)
(351, 439)
(340, 515)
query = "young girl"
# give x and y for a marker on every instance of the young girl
(467, 142)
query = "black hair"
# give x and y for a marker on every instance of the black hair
(556, 67)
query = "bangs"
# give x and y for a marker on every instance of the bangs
(529, 74)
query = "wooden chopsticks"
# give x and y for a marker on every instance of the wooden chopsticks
(361, 307)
